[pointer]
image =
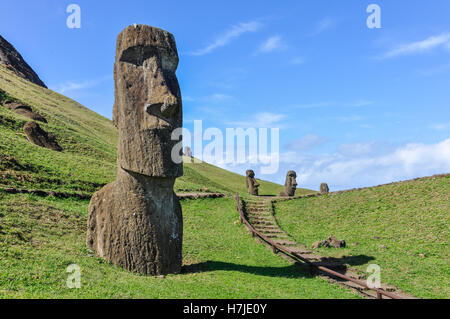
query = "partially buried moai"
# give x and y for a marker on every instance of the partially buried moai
(250, 181)
(136, 222)
(324, 188)
(290, 185)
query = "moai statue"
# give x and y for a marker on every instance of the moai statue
(136, 221)
(252, 184)
(290, 185)
(187, 151)
(324, 188)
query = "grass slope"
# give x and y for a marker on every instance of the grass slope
(40, 237)
(89, 142)
(403, 227)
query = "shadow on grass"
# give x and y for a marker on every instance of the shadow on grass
(293, 271)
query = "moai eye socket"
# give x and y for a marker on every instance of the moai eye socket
(138, 54)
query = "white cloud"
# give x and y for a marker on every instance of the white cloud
(428, 44)
(307, 142)
(271, 44)
(233, 33)
(263, 119)
(441, 126)
(359, 170)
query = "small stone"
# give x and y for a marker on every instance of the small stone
(316, 244)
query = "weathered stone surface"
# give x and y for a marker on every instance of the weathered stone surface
(290, 184)
(136, 221)
(324, 188)
(187, 151)
(147, 105)
(25, 110)
(250, 181)
(38, 136)
(331, 241)
(15, 62)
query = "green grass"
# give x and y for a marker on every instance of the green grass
(40, 237)
(90, 148)
(410, 218)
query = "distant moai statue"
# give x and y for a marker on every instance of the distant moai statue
(290, 185)
(324, 188)
(136, 221)
(187, 151)
(250, 181)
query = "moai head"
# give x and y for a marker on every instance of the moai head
(291, 183)
(147, 106)
(187, 151)
(324, 188)
(250, 181)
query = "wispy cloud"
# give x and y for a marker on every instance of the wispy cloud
(306, 143)
(323, 25)
(271, 44)
(298, 60)
(234, 32)
(71, 87)
(430, 43)
(356, 103)
(441, 127)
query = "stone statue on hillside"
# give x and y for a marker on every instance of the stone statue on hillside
(187, 151)
(252, 184)
(290, 185)
(136, 221)
(324, 188)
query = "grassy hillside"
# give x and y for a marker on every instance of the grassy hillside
(40, 237)
(90, 147)
(403, 226)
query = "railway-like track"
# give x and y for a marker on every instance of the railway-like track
(258, 216)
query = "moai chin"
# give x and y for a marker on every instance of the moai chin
(324, 188)
(136, 221)
(290, 185)
(250, 181)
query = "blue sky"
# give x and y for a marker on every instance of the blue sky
(355, 106)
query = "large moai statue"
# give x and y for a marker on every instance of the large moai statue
(324, 188)
(290, 185)
(250, 181)
(136, 221)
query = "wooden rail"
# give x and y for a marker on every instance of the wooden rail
(278, 247)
